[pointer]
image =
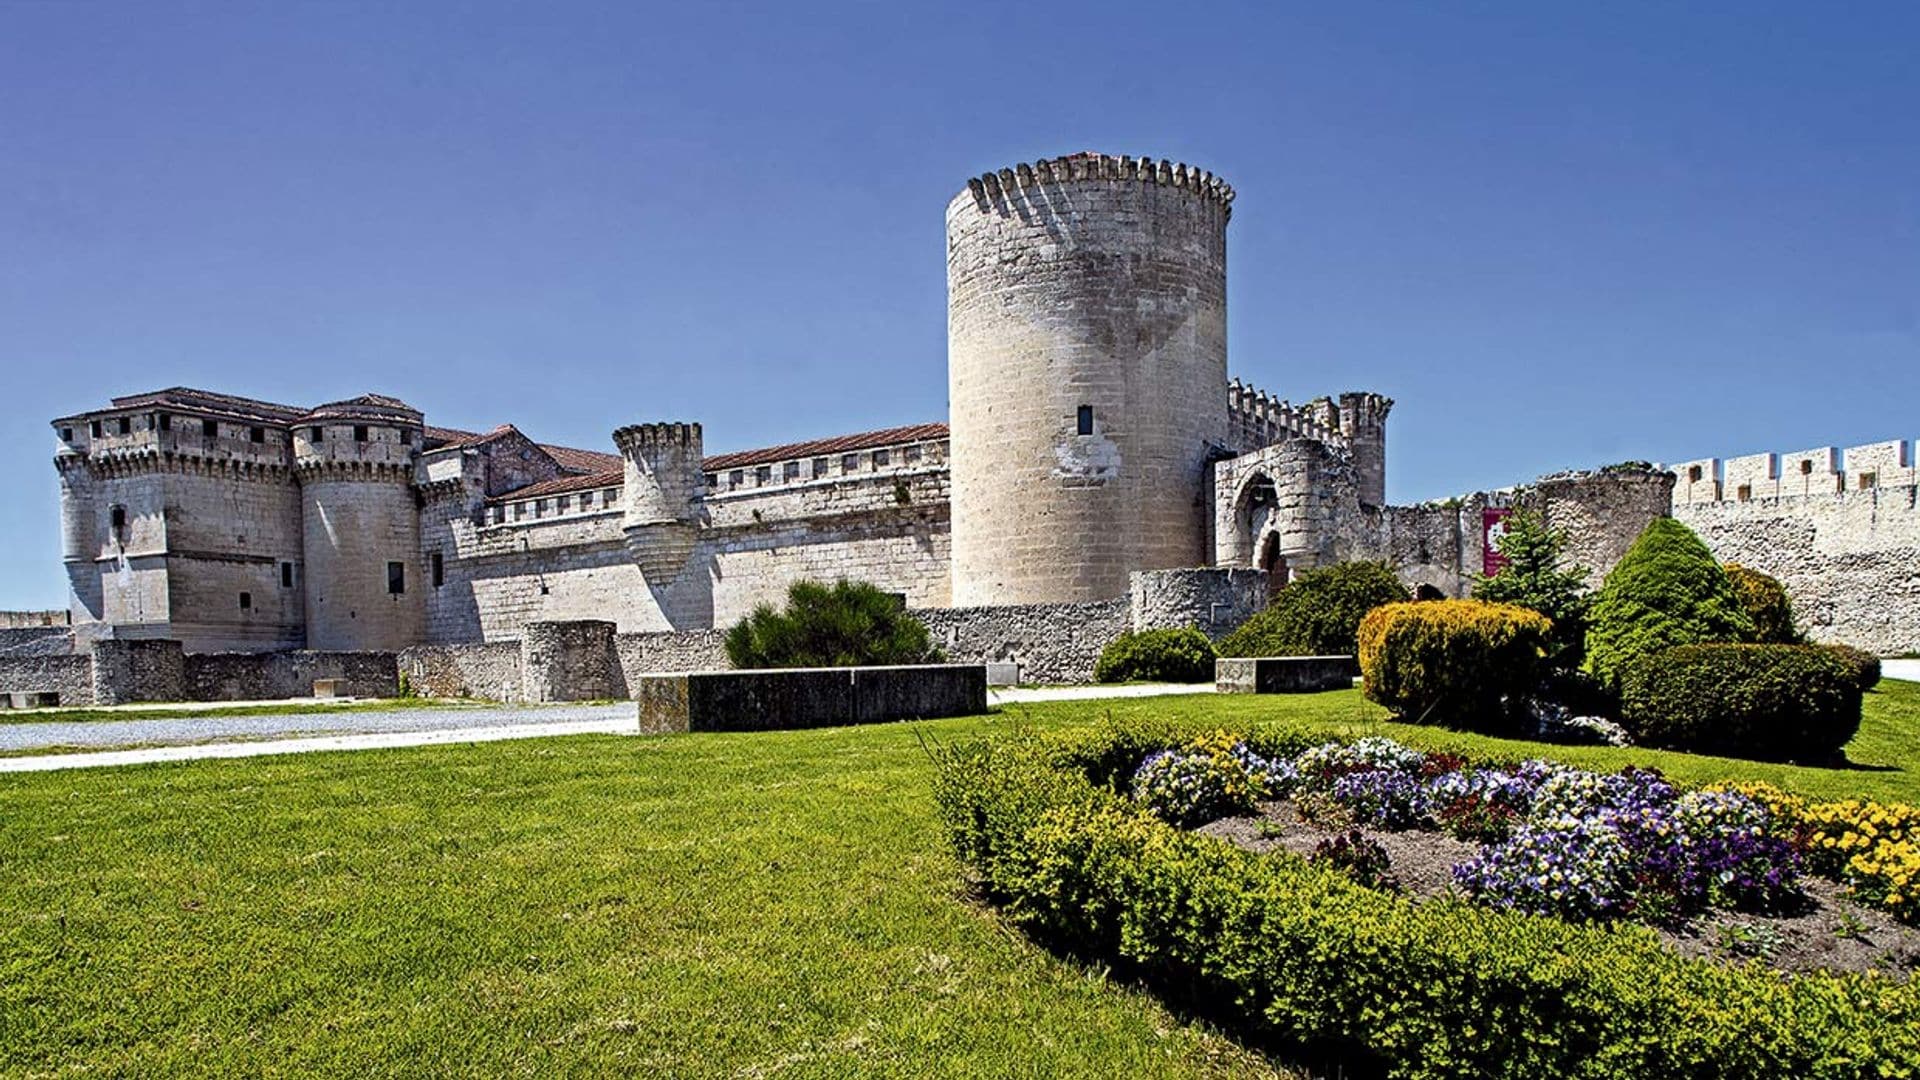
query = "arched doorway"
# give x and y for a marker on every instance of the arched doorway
(1274, 563)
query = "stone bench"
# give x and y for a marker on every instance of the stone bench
(1283, 674)
(777, 699)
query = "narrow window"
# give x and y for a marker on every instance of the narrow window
(316, 434)
(246, 601)
(439, 570)
(257, 434)
(566, 503)
(359, 433)
(66, 434)
(1086, 420)
(1806, 468)
(406, 437)
(763, 474)
(286, 575)
(396, 578)
(712, 480)
(210, 428)
(1693, 475)
(519, 511)
(540, 508)
(93, 428)
(735, 478)
(119, 518)
(165, 421)
(819, 467)
(790, 471)
(126, 425)
(850, 463)
(881, 458)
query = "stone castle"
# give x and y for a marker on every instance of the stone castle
(1094, 434)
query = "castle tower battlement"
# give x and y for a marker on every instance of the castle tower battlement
(1087, 374)
(360, 523)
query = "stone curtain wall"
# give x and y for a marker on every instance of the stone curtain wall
(1850, 560)
(680, 650)
(23, 677)
(570, 661)
(275, 676)
(1212, 600)
(489, 670)
(1052, 643)
(138, 670)
(36, 641)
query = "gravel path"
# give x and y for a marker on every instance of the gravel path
(206, 729)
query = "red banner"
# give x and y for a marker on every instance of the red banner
(1493, 526)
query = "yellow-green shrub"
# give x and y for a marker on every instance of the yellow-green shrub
(1460, 663)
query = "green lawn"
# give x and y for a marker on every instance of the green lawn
(698, 905)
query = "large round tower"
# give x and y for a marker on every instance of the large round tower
(361, 524)
(1087, 372)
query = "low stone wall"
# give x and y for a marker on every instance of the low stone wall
(681, 650)
(264, 676)
(36, 641)
(488, 670)
(1052, 643)
(126, 671)
(1210, 599)
(767, 700)
(570, 661)
(23, 679)
(1284, 674)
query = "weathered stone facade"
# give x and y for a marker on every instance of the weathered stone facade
(1840, 529)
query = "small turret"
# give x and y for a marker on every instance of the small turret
(1363, 420)
(663, 489)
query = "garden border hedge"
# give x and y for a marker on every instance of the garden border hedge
(1298, 954)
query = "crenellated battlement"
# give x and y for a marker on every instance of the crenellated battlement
(1088, 166)
(1258, 419)
(639, 438)
(1824, 470)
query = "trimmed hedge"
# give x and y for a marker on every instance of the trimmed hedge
(1765, 601)
(1318, 614)
(1176, 656)
(1866, 666)
(1667, 590)
(1458, 663)
(1773, 702)
(1299, 955)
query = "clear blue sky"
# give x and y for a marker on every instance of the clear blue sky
(1559, 234)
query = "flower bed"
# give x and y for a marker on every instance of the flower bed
(1306, 955)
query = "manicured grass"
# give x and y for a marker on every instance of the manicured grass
(699, 905)
(705, 905)
(187, 709)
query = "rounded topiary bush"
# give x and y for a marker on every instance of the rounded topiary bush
(1765, 601)
(846, 624)
(1866, 666)
(1180, 656)
(1460, 663)
(1666, 591)
(1318, 614)
(1772, 702)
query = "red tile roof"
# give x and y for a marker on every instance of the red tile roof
(839, 444)
(610, 478)
(186, 397)
(576, 460)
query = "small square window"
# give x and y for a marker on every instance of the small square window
(910, 455)
(1693, 475)
(257, 434)
(540, 508)
(1744, 493)
(165, 420)
(735, 478)
(286, 575)
(564, 504)
(66, 434)
(125, 425)
(1806, 468)
(763, 474)
(519, 511)
(93, 428)
(609, 497)
(210, 428)
(1085, 420)
(881, 458)
(246, 601)
(850, 463)
(359, 433)
(316, 434)
(1868, 480)
(406, 437)
(819, 467)
(396, 578)
(790, 471)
